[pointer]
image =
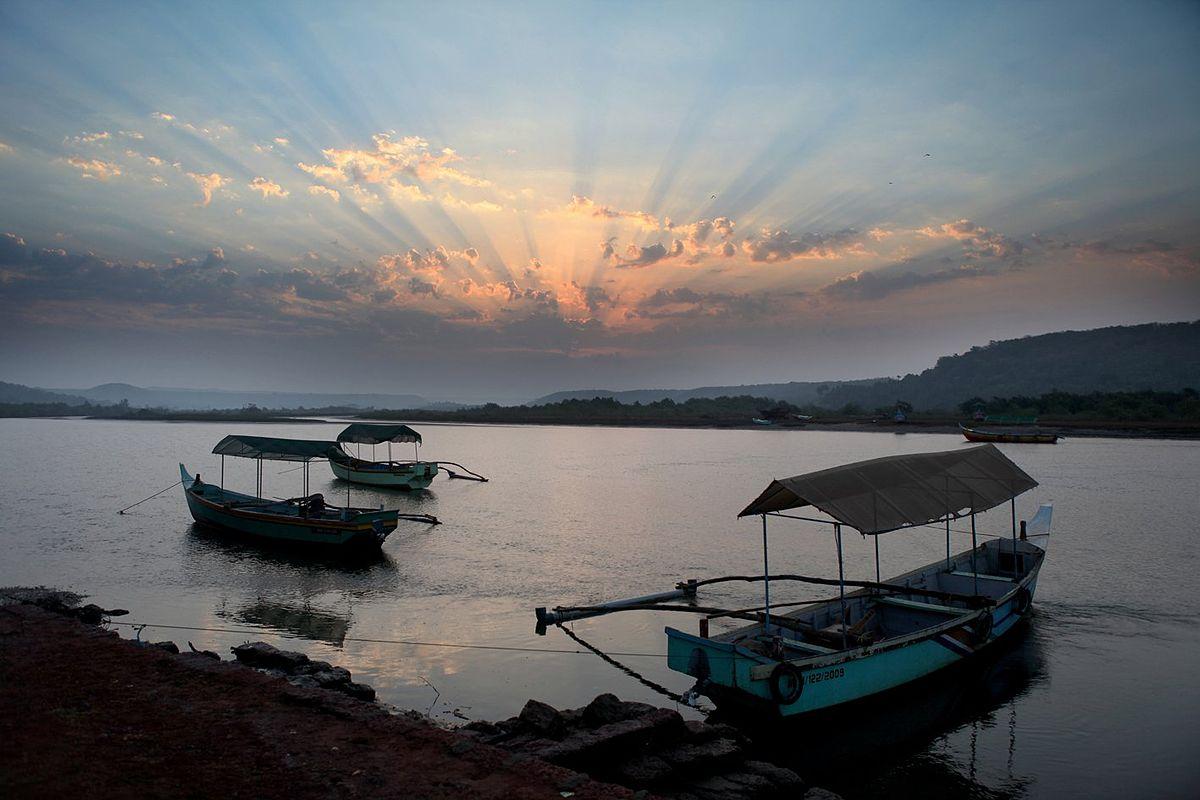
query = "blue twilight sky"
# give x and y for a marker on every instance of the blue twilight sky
(497, 200)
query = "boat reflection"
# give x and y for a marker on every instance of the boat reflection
(922, 740)
(303, 620)
(206, 543)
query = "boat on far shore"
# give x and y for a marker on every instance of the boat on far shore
(1007, 437)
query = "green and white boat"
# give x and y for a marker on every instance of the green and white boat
(306, 520)
(394, 474)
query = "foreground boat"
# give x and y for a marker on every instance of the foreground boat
(1009, 437)
(886, 633)
(408, 475)
(307, 519)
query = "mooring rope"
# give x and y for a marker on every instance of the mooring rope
(170, 486)
(637, 676)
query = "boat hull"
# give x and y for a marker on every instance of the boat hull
(409, 476)
(976, 435)
(210, 505)
(731, 674)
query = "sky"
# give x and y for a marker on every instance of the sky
(498, 200)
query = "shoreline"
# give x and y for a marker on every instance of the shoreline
(1066, 429)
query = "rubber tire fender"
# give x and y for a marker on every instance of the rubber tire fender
(785, 674)
(1022, 602)
(981, 627)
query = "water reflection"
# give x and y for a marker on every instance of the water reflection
(210, 544)
(922, 740)
(298, 620)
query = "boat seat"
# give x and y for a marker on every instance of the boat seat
(808, 647)
(981, 576)
(900, 602)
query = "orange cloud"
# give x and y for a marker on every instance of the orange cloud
(94, 168)
(581, 206)
(332, 194)
(208, 184)
(268, 188)
(773, 246)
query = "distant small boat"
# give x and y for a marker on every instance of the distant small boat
(760, 421)
(1008, 437)
(307, 519)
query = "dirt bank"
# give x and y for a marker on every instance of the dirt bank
(85, 713)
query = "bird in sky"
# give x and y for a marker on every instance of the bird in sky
(929, 155)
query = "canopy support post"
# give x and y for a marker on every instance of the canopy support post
(974, 548)
(416, 453)
(259, 483)
(1013, 505)
(389, 452)
(877, 579)
(947, 544)
(222, 477)
(837, 535)
(766, 582)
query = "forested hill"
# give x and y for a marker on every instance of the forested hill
(1163, 357)
(800, 393)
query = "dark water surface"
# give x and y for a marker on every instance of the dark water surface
(1099, 698)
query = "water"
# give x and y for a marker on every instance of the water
(1098, 699)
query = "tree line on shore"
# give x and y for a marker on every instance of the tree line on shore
(1183, 405)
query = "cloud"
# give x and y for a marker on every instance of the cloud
(977, 241)
(130, 134)
(451, 201)
(208, 184)
(12, 248)
(94, 167)
(697, 233)
(684, 302)
(1149, 254)
(6, 149)
(165, 117)
(774, 246)
(332, 194)
(268, 188)
(581, 206)
(398, 164)
(875, 285)
(86, 138)
(281, 141)
(639, 256)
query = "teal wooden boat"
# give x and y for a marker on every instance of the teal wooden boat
(303, 520)
(394, 474)
(882, 634)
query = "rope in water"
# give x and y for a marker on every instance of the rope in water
(637, 676)
(170, 486)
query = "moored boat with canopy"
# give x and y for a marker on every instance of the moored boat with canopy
(881, 634)
(306, 519)
(397, 474)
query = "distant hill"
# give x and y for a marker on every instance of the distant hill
(1158, 356)
(16, 393)
(798, 393)
(207, 399)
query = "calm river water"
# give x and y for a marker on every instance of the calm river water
(1100, 698)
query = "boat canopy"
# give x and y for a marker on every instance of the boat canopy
(894, 492)
(372, 433)
(272, 449)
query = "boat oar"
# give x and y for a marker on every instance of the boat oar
(172, 485)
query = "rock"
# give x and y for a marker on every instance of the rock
(360, 691)
(707, 754)
(572, 783)
(304, 682)
(732, 786)
(700, 731)
(170, 647)
(643, 771)
(333, 678)
(482, 728)
(543, 718)
(311, 666)
(462, 746)
(261, 654)
(782, 777)
(817, 793)
(205, 653)
(607, 709)
(598, 747)
(92, 614)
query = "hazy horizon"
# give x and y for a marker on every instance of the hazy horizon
(478, 201)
